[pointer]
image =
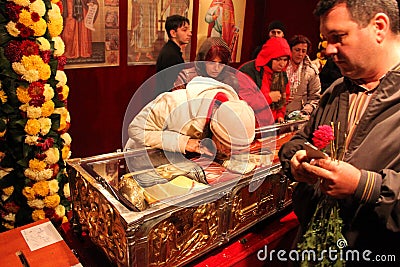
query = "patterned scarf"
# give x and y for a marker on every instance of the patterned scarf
(279, 82)
(294, 77)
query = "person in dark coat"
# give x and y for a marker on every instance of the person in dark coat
(275, 29)
(179, 34)
(364, 107)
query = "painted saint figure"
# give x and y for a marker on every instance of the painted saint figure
(221, 19)
(144, 28)
(76, 35)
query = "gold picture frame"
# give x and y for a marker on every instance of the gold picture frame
(91, 33)
(222, 19)
(146, 28)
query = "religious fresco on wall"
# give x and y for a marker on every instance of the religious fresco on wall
(91, 33)
(146, 31)
(222, 18)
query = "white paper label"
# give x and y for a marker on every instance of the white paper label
(41, 235)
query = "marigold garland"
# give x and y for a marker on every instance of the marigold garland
(34, 118)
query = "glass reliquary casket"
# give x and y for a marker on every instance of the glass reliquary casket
(179, 208)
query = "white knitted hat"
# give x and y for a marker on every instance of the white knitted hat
(233, 124)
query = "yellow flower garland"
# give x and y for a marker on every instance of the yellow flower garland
(45, 176)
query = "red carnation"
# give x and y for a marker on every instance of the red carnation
(11, 207)
(49, 212)
(29, 48)
(35, 17)
(37, 101)
(323, 136)
(47, 144)
(24, 31)
(13, 11)
(40, 156)
(62, 60)
(60, 5)
(45, 55)
(13, 51)
(36, 89)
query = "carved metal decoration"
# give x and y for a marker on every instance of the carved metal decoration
(169, 233)
(100, 220)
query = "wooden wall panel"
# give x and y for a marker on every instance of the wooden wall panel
(99, 96)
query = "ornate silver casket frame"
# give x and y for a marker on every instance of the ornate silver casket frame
(180, 229)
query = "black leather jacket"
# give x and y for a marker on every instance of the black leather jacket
(373, 224)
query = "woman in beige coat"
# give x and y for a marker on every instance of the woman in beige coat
(305, 86)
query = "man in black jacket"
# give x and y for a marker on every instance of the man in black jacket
(179, 34)
(363, 40)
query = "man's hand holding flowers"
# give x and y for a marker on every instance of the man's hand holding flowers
(299, 172)
(338, 178)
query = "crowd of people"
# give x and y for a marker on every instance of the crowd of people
(282, 71)
(281, 83)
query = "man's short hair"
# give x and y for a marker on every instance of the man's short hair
(362, 11)
(174, 22)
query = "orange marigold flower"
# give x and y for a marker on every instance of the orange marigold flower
(32, 127)
(29, 193)
(52, 201)
(65, 152)
(3, 96)
(41, 188)
(47, 108)
(25, 17)
(8, 190)
(23, 94)
(55, 27)
(37, 165)
(38, 215)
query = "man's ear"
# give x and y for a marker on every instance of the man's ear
(382, 26)
(172, 33)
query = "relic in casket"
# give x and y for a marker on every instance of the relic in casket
(182, 207)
